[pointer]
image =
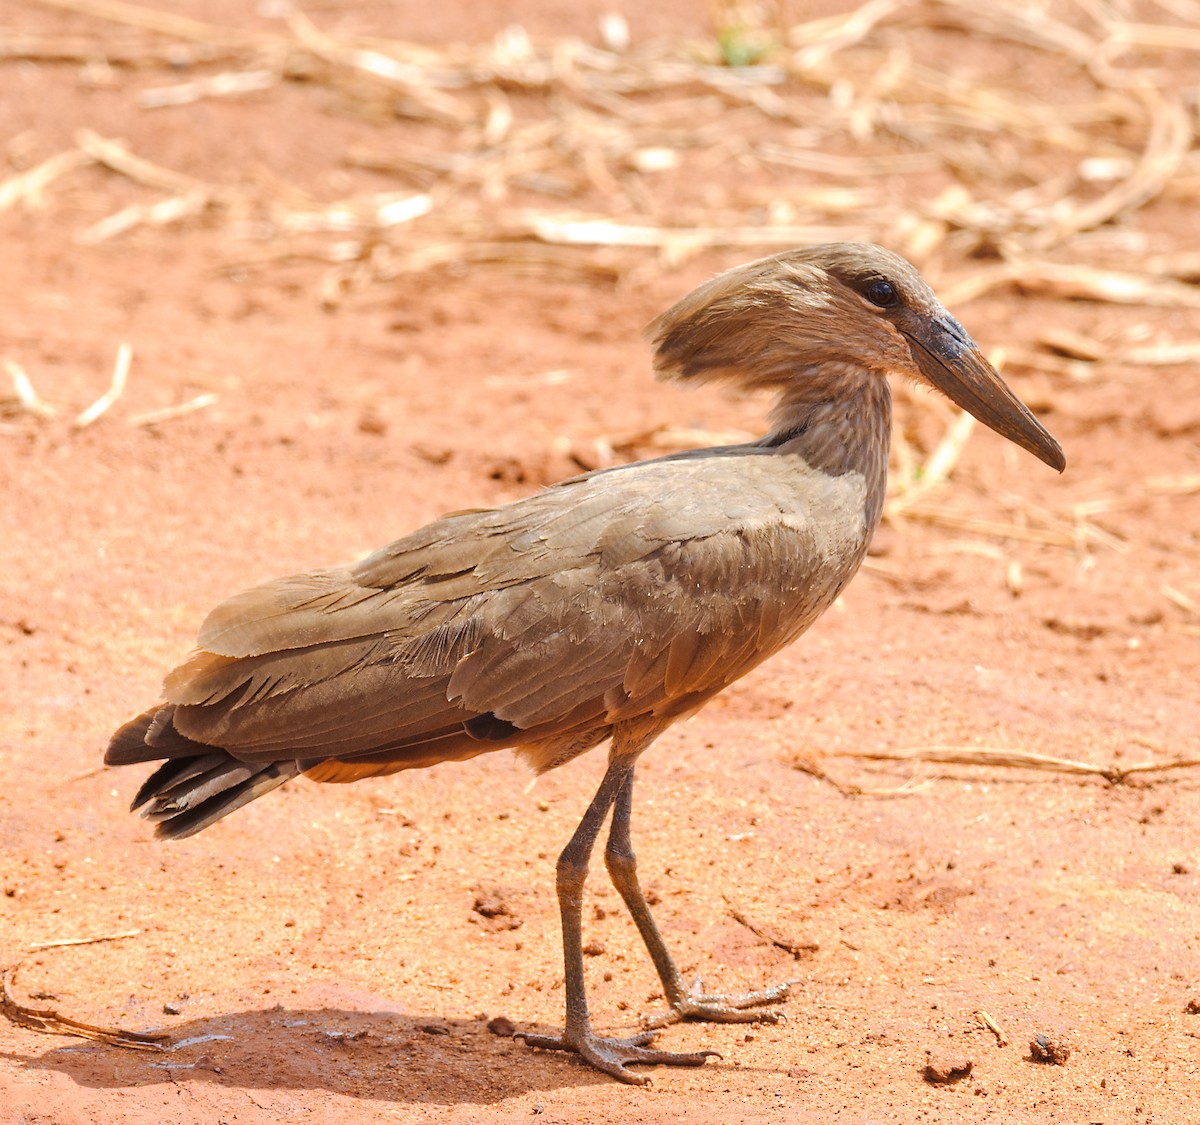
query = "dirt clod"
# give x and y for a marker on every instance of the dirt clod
(502, 1026)
(945, 1070)
(493, 913)
(490, 905)
(1048, 1049)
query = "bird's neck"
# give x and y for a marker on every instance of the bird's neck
(839, 422)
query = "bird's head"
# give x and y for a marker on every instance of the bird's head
(808, 319)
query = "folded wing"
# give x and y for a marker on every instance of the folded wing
(537, 625)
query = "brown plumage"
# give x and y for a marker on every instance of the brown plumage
(605, 607)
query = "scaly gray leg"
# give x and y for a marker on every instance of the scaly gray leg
(685, 1003)
(612, 1056)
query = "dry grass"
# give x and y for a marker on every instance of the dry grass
(51, 1022)
(586, 145)
(983, 758)
(25, 402)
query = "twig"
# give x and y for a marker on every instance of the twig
(1185, 485)
(797, 949)
(29, 399)
(153, 417)
(1179, 598)
(27, 187)
(807, 763)
(993, 1027)
(595, 231)
(117, 158)
(940, 463)
(992, 528)
(63, 942)
(227, 85)
(1016, 759)
(116, 388)
(48, 1021)
(158, 214)
(89, 773)
(135, 15)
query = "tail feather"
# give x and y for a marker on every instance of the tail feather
(190, 792)
(173, 772)
(186, 819)
(149, 738)
(197, 784)
(128, 745)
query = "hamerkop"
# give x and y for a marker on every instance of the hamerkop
(601, 609)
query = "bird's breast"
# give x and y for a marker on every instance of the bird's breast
(777, 543)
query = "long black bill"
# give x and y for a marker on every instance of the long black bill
(952, 362)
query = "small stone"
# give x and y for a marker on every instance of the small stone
(369, 422)
(502, 1025)
(943, 1070)
(1193, 1008)
(171, 1009)
(435, 455)
(1047, 1049)
(593, 949)
(345, 1036)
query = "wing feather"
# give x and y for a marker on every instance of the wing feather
(635, 590)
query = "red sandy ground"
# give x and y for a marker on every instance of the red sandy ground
(321, 952)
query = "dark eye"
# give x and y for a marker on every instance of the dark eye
(882, 293)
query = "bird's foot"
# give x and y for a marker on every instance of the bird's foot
(614, 1056)
(744, 1008)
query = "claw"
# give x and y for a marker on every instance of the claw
(614, 1056)
(693, 1005)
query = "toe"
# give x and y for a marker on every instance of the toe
(615, 1056)
(743, 1008)
(545, 1042)
(603, 1055)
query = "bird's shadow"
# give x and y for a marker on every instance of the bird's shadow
(388, 1056)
